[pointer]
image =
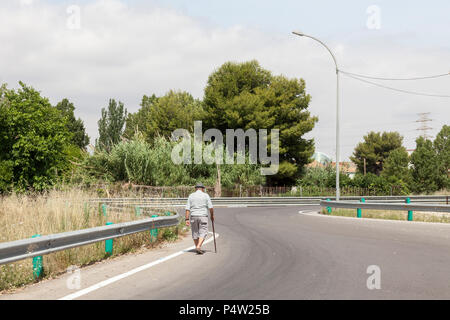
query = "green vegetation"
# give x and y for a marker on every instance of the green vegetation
(161, 116)
(244, 95)
(75, 126)
(375, 150)
(44, 146)
(111, 125)
(35, 142)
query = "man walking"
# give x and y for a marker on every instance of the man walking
(197, 207)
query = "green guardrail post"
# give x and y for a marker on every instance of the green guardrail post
(328, 208)
(359, 210)
(109, 243)
(410, 213)
(37, 263)
(137, 210)
(154, 232)
(104, 209)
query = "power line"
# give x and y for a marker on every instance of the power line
(396, 79)
(399, 90)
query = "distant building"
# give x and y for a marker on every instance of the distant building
(322, 160)
(347, 167)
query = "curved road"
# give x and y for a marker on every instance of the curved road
(279, 253)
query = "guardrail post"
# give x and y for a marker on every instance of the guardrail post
(328, 208)
(154, 232)
(109, 243)
(104, 209)
(359, 210)
(37, 263)
(137, 210)
(410, 213)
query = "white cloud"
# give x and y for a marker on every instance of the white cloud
(124, 52)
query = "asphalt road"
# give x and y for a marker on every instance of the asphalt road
(277, 253)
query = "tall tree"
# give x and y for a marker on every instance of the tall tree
(441, 145)
(425, 170)
(375, 149)
(75, 126)
(246, 96)
(111, 125)
(396, 167)
(138, 121)
(34, 139)
(161, 116)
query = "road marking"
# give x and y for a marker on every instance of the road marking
(308, 212)
(129, 273)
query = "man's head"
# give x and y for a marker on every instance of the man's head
(199, 186)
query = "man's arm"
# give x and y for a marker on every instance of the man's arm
(188, 211)
(187, 218)
(210, 207)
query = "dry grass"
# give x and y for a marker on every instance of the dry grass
(22, 216)
(392, 215)
(443, 192)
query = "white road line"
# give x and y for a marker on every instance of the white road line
(129, 273)
(308, 212)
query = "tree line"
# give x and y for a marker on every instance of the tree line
(383, 163)
(45, 146)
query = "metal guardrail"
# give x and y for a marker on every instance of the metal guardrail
(386, 206)
(28, 248)
(260, 201)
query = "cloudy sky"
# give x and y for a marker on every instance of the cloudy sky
(90, 51)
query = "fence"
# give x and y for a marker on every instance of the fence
(128, 190)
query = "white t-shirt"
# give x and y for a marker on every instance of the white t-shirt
(198, 204)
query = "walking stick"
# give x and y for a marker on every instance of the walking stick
(214, 235)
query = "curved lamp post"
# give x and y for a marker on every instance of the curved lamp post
(298, 33)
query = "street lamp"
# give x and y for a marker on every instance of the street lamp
(298, 33)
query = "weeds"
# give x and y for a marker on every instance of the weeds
(22, 216)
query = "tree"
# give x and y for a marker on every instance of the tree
(110, 125)
(441, 146)
(160, 116)
(425, 170)
(138, 121)
(375, 150)
(34, 139)
(75, 126)
(246, 96)
(396, 170)
(396, 165)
